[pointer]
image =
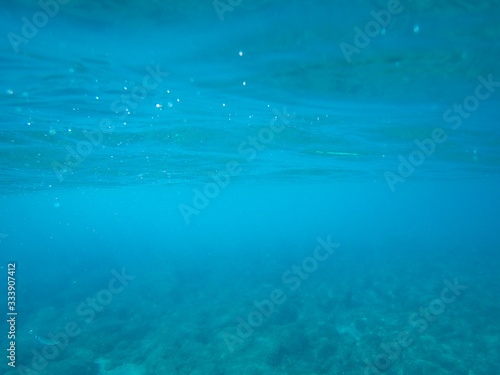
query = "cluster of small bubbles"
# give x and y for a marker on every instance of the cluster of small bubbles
(52, 131)
(9, 91)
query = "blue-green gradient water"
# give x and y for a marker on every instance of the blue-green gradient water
(239, 188)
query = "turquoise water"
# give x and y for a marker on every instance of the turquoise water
(239, 187)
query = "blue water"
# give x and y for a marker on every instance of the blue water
(240, 187)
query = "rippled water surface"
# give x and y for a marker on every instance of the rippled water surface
(209, 148)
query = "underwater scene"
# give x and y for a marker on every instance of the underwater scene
(237, 187)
